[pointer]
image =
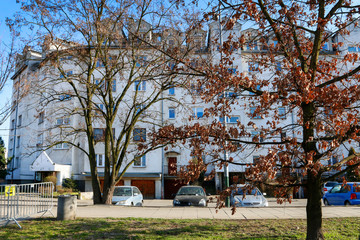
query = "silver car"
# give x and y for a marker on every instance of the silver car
(127, 196)
(251, 198)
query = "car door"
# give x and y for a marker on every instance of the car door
(137, 196)
(344, 194)
(332, 195)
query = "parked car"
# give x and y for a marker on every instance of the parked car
(328, 186)
(127, 196)
(348, 194)
(251, 198)
(190, 196)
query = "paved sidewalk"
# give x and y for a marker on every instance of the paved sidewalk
(102, 211)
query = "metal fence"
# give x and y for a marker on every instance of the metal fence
(25, 200)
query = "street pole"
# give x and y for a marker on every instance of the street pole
(226, 167)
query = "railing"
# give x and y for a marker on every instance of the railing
(24, 200)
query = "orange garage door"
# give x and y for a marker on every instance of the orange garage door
(147, 187)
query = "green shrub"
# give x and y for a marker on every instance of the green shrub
(69, 183)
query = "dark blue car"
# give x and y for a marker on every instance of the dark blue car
(348, 194)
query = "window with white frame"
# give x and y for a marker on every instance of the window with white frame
(67, 74)
(141, 61)
(252, 113)
(198, 112)
(140, 85)
(171, 113)
(255, 136)
(113, 86)
(40, 140)
(172, 91)
(64, 97)
(63, 121)
(62, 146)
(256, 159)
(232, 119)
(353, 48)
(100, 160)
(19, 120)
(41, 117)
(282, 112)
(253, 67)
(140, 161)
(139, 134)
(139, 108)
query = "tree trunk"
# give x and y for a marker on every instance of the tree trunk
(313, 208)
(108, 194)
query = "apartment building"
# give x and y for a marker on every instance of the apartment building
(40, 117)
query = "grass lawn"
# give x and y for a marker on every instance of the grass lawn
(138, 228)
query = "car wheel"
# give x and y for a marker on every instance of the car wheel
(347, 203)
(326, 202)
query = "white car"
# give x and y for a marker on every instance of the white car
(253, 198)
(127, 196)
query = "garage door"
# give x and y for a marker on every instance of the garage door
(147, 187)
(171, 187)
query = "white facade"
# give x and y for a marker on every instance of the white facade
(35, 125)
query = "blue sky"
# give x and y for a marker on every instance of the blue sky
(8, 8)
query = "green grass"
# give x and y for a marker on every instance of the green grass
(136, 228)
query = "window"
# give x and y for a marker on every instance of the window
(353, 49)
(100, 84)
(198, 112)
(99, 134)
(256, 159)
(140, 85)
(275, 43)
(282, 136)
(17, 163)
(172, 113)
(12, 124)
(282, 112)
(278, 66)
(18, 141)
(68, 74)
(258, 87)
(253, 67)
(100, 160)
(252, 113)
(141, 61)
(113, 87)
(232, 70)
(41, 117)
(40, 140)
(172, 91)
(139, 134)
(63, 121)
(229, 120)
(255, 136)
(325, 47)
(19, 120)
(100, 63)
(62, 146)
(64, 97)
(140, 161)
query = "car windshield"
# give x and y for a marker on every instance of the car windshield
(241, 192)
(122, 191)
(191, 191)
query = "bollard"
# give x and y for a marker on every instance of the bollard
(67, 207)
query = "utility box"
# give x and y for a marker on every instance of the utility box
(67, 207)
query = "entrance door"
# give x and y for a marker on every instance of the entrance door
(147, 187)
(172, 166)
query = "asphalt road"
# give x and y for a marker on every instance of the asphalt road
(164, 209)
